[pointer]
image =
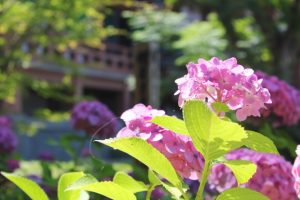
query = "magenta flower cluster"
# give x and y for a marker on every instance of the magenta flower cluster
(178, 149)
(285, 100)
(94, 117)
(273, 177)
(296, 172)
(224, 81)
(8, 139)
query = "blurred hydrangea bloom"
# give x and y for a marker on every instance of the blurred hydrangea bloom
(177, 148)
(273, 177)
(285, 100)
(8, 139)
(296, 172)
(46, 156)
(12, 165)
(94, 117)
(224, 81)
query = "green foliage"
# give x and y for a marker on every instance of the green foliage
(33, 190)
(153, 179)
(203, 39)
(212, 136)
(145, 153)
(108, 189)
(171, 123)
(129, 183)
(243, 170)
(8, 86)
(220, 107)
(241, 194)
(153, 25)
(65, 181)
(260, 143)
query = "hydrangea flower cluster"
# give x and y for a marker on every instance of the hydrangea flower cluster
(285, 100)
(296, 172)
(224, 81)
(178, 149)
(8, 139)
(94, 117)
(273, 177)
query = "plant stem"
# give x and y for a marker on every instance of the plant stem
(148, 195)
(203, 180)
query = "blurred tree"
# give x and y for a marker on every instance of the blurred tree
(40, 23)
(265, 32)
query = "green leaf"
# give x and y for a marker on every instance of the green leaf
(176, 193)
(81, 182)
(171, 123)
(107, 188)
(145, 153)
(212, 136)
(65, 181)
(243, 170)
(259, 142)
(33, 190)
(220, 107)
(241, 194)
(153, 179)
(129, 183)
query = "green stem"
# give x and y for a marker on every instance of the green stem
(203, 180)
(148, 195)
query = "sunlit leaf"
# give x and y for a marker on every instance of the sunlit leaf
(260, 143)
(243, 170)
(33, 190)
(171, 123)
(129, 183)
(145, 153)
(241, 194)
(108, 189)
(212, 136)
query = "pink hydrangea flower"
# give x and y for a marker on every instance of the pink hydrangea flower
(273, 177)
(178, 149)
(223, 81)
(285, 100)
(296, 172)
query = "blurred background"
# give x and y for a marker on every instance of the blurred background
(62, 59)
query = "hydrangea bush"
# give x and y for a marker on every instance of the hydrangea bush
(285, 100)
(206, 145)
(94, 117)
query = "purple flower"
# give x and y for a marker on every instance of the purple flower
(12, 165)
(94, 117)
(223, 81)
(273, 177)
(157, 193)
(296, 172)
(285, 100)
(178, 149)
(46, 156)
(8, 140)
